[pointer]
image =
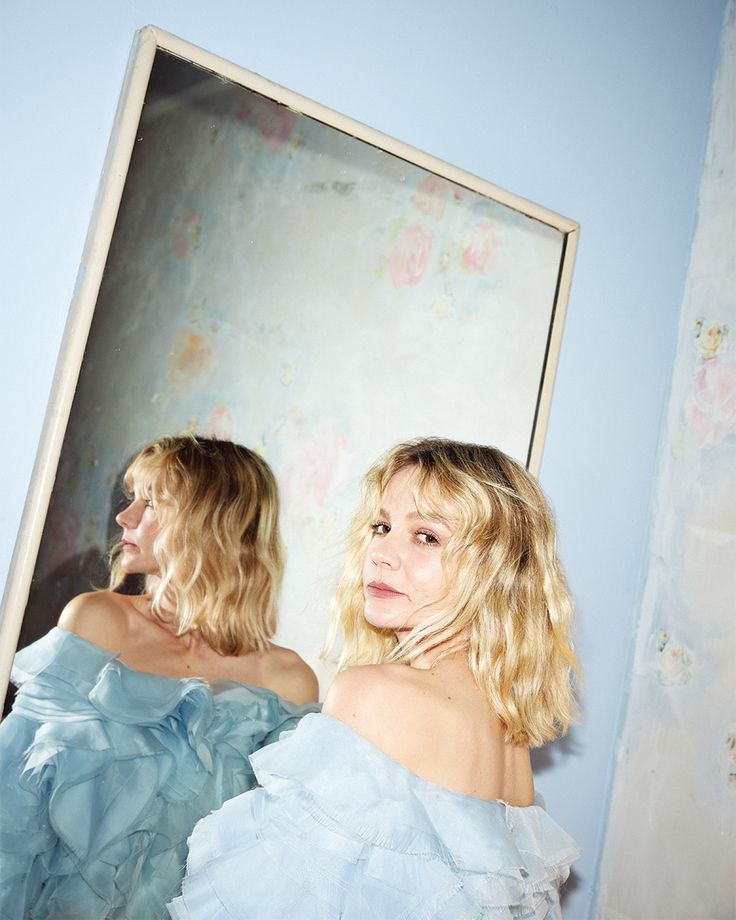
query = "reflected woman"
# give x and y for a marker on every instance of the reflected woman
(411, 795)
(136, 715)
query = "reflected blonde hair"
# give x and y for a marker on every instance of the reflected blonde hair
(218, 546)
(507, 602)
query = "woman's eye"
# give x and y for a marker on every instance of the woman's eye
(148, 502)
(427, 537)
(380, 528)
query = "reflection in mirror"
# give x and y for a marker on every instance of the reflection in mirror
(282, 276)
(136, 716)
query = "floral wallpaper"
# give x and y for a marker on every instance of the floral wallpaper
(670, 848)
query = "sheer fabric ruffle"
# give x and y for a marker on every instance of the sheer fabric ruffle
(105, 771)
(339, 830)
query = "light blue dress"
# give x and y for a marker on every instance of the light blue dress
(339, 830)
(105, 771)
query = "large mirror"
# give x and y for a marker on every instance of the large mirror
(263, 269)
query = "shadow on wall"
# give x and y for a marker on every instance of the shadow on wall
(545, 758)
(572, 884)
(549, 756)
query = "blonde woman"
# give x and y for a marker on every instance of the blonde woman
(135, 717)
(411, 795)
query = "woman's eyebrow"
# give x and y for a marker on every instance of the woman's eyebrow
(418, 516)
(434, 518)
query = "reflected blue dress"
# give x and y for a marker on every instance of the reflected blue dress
(339, 830)
(105, 771)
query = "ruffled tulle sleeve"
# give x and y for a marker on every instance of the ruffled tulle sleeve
(105, 771)
(338, 830)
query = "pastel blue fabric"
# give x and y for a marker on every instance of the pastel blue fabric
(339, 830)
(105, 771)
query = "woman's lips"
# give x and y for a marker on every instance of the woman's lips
(381, 589)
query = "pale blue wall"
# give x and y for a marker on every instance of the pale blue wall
(597, 110)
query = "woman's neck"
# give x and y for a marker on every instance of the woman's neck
(452, 650)
(165, 614)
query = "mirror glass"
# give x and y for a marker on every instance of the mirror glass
(265, 270)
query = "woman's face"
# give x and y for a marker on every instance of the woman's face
(403, 578)
(140, 527)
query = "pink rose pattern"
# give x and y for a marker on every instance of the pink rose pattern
(313, 470)
(220, 424)
(186, 233)
(480, 249)
(429, 197)
(275, 123)
(409, 256)
(710, 408)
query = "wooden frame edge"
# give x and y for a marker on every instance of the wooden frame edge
(74, 339)
(553, 350)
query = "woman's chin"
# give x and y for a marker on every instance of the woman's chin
(382, 622)
(131, 567)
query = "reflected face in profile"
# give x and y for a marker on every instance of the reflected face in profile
(403, 578)
(140, 528)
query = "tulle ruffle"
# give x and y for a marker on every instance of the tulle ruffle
(340, 830)
(105, 772)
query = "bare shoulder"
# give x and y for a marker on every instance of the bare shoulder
(287, 674)
(369, 687)
(362, 685)
(100, 617)
(385, 703)
(435, 722)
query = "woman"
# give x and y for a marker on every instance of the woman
(411, 795)
(136, 715)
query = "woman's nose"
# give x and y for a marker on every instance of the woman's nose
(127, 517)
(383, 553)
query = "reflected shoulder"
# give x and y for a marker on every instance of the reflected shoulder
(291, 676)
(100, 617)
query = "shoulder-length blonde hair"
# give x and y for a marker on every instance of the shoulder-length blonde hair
(218, 546)
(507, 602)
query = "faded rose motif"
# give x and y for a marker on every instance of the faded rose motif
(275, 123)
(317, 464)
(408, 258)
(481, 247)
(710, 407)
(192, 357)
(186, 234)
(673, 660)
(429, 198)
(220, 424)
(710, 338)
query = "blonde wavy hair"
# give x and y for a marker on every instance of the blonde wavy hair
(507, 600)
(218, 545)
